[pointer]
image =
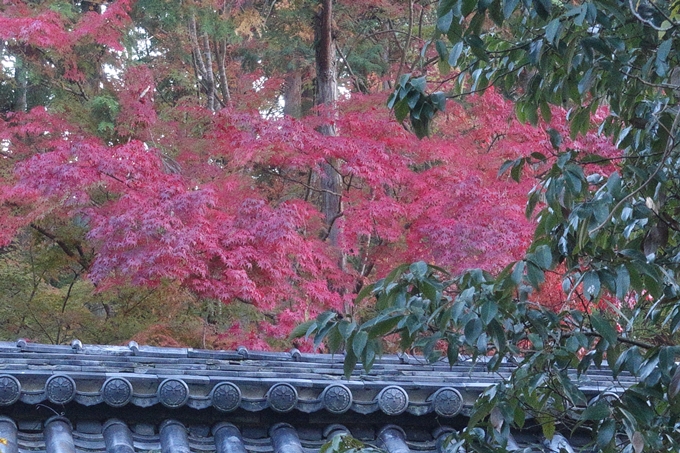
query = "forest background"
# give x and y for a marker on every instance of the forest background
(165, 168)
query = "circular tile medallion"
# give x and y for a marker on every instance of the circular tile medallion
(117, 392)
(282, 397)
(10, 390)
(393, 400)
(226, 397)
(173, 393)
(447, 402)
(60, 389)
(337, 398)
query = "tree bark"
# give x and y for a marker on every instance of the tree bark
(326, 99)
(292, 95)
(222, 70)
(21, 80)
(203, 65)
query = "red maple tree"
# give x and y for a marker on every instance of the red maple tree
(225, 204)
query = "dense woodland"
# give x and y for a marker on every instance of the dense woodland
(171, 173)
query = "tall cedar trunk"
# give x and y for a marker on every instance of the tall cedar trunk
(327, 96)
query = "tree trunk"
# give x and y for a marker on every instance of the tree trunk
(203, 65)
(292, 95)
(326, 98)
(222, 71)
(21, 79)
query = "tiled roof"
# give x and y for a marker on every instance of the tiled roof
(116, 399)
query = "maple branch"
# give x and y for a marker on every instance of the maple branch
(495, 138)
(390, 31)
(34, 290)
(330, 224)
(67, 296)
(263, 313)
(306, 186)
(357, 82)
(334, 169)
(308, 190)
(129, 310)
(62, 245)
(80, 93)
(394, 32)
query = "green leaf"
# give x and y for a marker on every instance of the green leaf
(543, 8)
(535, 275)
(488, 311)
(598, 411)
(325, 317)
(444, 22)
(445, 6)
(622, 282)
(401, 110)
(334, 339)
(472, 330)
(359, 342)
(438, 100)
(518, 272)
(365, 292)
(552, 30)
(454, 55)
(419, 269)
(580, 122)
(555, 138)
(301, 329)
(605, 433)
(509, 7)
(384, 327)
(452, 352)
(661, 56)
(419, 83)
(468, 6)
(442, 50)
(591, 285)
(547, 425)
(349, 363)
(543, 256)
(603, 327)
(346, 328)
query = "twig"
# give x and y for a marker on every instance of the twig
(642, 19)
(306, 186)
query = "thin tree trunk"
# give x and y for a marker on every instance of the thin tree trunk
(326, 98)
(209, 75)
(222, 71)
(21, 79)
(202, 56)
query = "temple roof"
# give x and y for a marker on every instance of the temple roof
(220, 400)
